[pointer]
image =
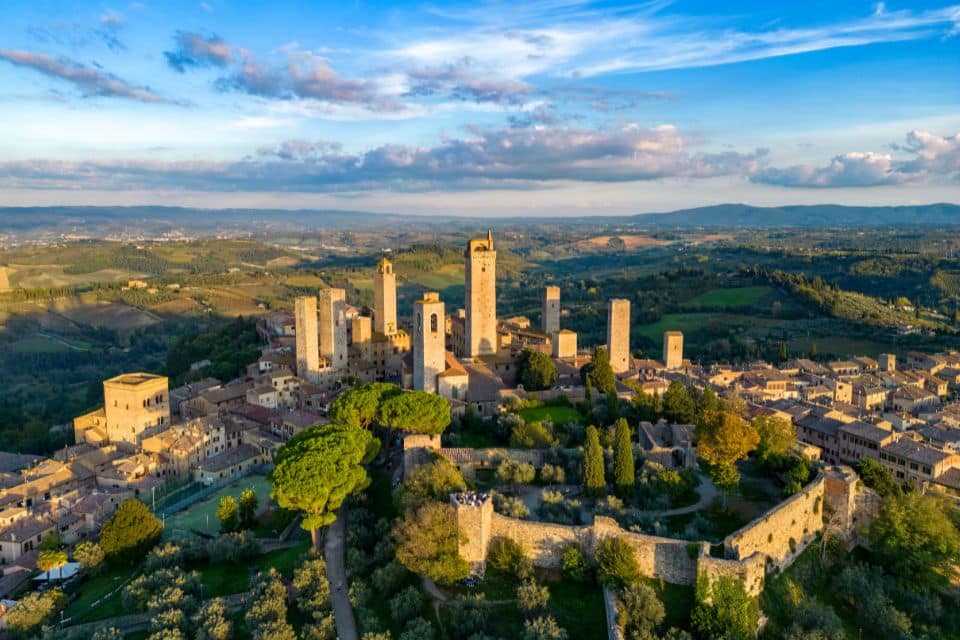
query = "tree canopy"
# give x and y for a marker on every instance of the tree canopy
(678, 406)
(777, 436)
(723, 439)
(599, 372)
(594, 476)
(358, 407)
(537, 370)
(130, 532)
(435, 480)
(624, 476)
(616, 564)
(318, 468)
(415, 412)
(428, 539)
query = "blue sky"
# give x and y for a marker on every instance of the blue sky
(503, 108)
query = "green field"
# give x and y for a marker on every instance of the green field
(202, 516)
(735, 297)
(447, 275)
(556, 415)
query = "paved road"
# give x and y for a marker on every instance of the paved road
(333, 553)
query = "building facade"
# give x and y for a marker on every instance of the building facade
(333, 327)
(308, 348)
(481, 297)
(429, 342)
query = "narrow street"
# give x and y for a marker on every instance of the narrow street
(334, 555)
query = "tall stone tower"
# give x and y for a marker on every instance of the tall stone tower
(618, 334)
(551, 310)
(333, 327)
(385, 299)
(672, 349)
(429, 338)
(888, 361)
(481, 303)
(308, 350)
(134, 403)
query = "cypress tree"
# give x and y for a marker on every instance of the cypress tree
(594, 480)
(623, 464)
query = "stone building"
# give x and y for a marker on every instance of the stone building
(134, 404)
(481, 297)
(672, 350)
(308, 349)
(551, 310)
(564, 344)
(618, 334)
(333, 327)
(429, 342)
(385, 298)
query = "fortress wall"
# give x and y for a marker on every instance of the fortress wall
(543, 542)
(798, 518)
(750, 570)
(658, 557)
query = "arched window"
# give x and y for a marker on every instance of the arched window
(433, 322)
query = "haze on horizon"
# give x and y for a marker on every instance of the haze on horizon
(556, 107)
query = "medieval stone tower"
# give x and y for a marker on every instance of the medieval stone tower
(888, 361)
(618, 334)
(385, 298)
(308, 350)
(673, 350)
(551, 310)
(333, 327)
(429, 338)
(481, 302)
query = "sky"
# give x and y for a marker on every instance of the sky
(545, 107)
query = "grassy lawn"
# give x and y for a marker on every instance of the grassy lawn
(477, 439)
(86, 608)
(677, 599)
(284, 560)
(578, 607)
(202, 516)
(223, 579)
(556, 415)
(735, 297)
(722, 522)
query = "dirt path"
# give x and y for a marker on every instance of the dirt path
(337, 577)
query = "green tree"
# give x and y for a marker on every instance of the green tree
(640, 612)
(783, 354)
(617, 565)
(543, 628)
(267, 616)
(878, 477)
(594, 480)
(428, 543)
(415, 412)
(623, 464)
(723, 439)
(313, 590)
(532, 596)
(51, 541)
(647, 405)
(89, 555)
(731, 613)
(678, 406)
(248, 505)
(318, 468)
(130, 532)
(916, 539)
(574, 564)
(212, 621)
(777, 436)
(600, 373)
(358, 407)
(33, 611)
(228, 513)
(435, 480)
(537, 370)
(514, 472)
(51, 559)
(532, 435)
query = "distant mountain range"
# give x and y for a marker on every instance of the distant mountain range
(154, 220)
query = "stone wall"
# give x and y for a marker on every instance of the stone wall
(666, 558)
(783, 532)
(750, 570)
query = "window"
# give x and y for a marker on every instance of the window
(433, 322)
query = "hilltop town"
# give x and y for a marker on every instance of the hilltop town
(518, 397)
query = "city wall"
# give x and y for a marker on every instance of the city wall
(762, 545)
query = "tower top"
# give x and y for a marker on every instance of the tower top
(489, 239)
(481, 244)
(384, 265)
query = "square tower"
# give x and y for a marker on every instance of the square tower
(385, 298)
(481, 297)
(618, 334)
(564, 343)
(429, 342)
(888, 362)
(361, 330)
(134, 403)
(551, 310)
(333, 327)
(305, 326)
(672, 350)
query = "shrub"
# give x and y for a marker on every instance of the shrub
(532, 597)
(616, 565)
(510, 506)
(418, 629)
(506, 555)
(532, 435)
(640, 611)
(543, 628)
(552, 474)
(574, 564)
(514, 472)
(406, 604)
(130, 531)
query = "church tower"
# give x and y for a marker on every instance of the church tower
(429, 342)
(481, 294)
(385, 298)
